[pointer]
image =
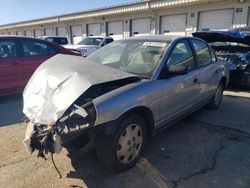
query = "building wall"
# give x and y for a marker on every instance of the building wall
(159, 8)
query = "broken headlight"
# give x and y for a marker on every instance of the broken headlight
(78, 118)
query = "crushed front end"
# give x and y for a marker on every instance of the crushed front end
(76, 121)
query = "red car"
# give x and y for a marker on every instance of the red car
(19, 58)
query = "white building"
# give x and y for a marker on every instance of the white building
(140, 18)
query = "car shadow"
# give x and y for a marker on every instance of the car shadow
(11, 109)
(172, 158)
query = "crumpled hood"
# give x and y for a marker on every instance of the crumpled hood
(59, 81)
(223, 36)
(77, 46)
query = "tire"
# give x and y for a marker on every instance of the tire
(121, 149)
(217, 98)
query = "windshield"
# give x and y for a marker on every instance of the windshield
(139, 57)
(91, 41)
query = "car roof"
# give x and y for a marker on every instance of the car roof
(45, 36)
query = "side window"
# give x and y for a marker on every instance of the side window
(182, 55)
(7, 49)
(108, 41)
(60, 41)
(33, 48)
(202, 52)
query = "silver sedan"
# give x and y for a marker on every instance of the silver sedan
(120, 96)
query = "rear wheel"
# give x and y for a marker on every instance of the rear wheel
(217, 98)
(121, 150)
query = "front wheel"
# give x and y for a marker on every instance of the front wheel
(217, 98)
(121, 150)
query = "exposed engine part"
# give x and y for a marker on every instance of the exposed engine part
(236, 61)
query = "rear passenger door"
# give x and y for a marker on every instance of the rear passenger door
(34, 53)
(206, 62)
(10, 70)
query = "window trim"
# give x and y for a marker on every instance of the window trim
(212, 51)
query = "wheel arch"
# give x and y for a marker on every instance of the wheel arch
(146, 114)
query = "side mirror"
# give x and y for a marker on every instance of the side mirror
(177, 69)
(173, 70)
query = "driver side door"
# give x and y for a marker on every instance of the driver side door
(179, 92)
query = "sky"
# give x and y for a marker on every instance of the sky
(12, 11)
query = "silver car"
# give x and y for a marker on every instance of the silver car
(120, 96)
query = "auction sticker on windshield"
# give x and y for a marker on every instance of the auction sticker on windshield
(156, 44)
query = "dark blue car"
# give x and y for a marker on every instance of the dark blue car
(234, 46)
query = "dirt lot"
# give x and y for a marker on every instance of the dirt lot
(207, 149)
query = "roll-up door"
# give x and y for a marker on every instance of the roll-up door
(62, 31)
(49, 32)
(94, 29)
(216, 19)
(115, 30)
(12, 33)
(76, 33)
(29, 33)
(19, 33)
(140, 26)
(173, 24)
(38, 33)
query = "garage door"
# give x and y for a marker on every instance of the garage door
(173, 24)
(140, 27)
(38, 33)
(62, 31)
(29, 33)
(115, 30)
(49, 32)
(76, 33)
(94, 29)
(218, 19)
(19, 33)
(12, 33)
